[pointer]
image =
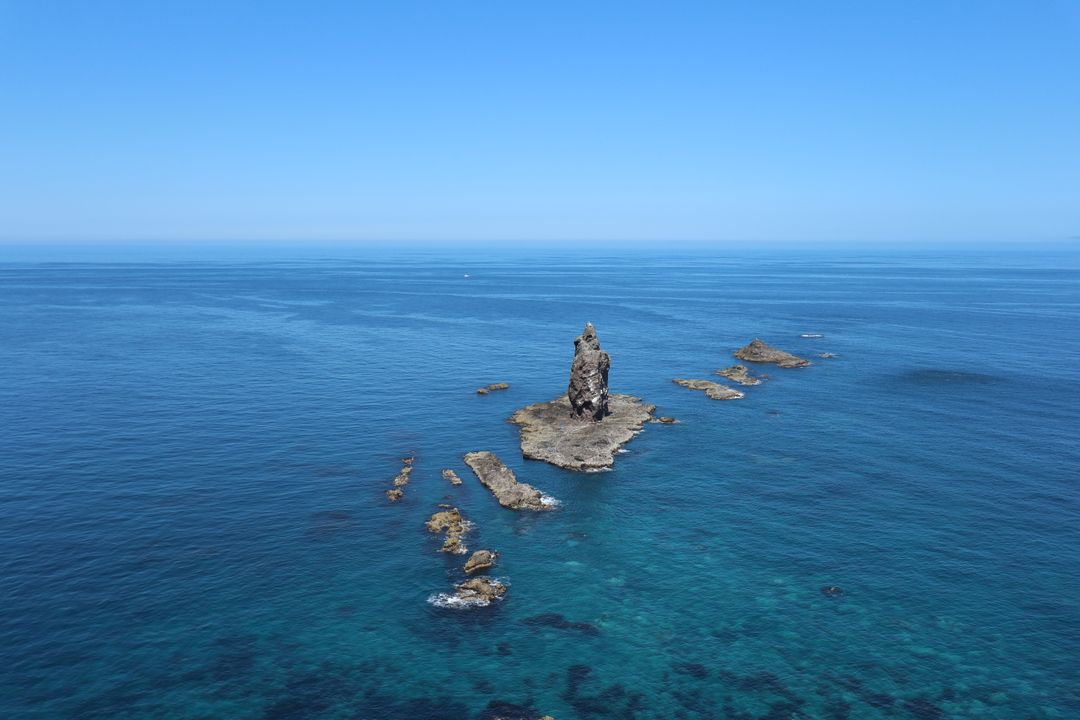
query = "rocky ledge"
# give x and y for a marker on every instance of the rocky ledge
(740, 374)
(759, 352)
(456, 528)
(716, 391)
(491, 388)
(551, 433)
(481, 560)
(502, 482)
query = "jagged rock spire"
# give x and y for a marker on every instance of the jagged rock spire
(588, 391)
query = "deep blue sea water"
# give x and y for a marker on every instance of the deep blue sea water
(193, 455)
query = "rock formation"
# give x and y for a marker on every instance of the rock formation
(716, 391)
(480, 590)
(739, 374)
(451, 477)
(502, 482)
(492, 387)
(588, 390)
(455, 526)
(583, 429)
(481, 560)
(759, 352)
(474, 592)
(401, 479)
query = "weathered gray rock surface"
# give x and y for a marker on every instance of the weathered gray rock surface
(502, 482)
(491, 388)
(550, 432)
(481, 560)
(716, 391)
(759, 352)
(451, 477)
(740, 374)
(588, 389)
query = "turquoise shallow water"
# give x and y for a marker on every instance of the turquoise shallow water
(194, 455)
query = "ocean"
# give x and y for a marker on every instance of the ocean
(194, 454)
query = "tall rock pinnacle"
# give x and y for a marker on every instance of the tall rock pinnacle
(588, 391)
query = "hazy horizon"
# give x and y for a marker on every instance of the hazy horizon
(782, 125)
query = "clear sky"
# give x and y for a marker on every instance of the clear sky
(815, 122)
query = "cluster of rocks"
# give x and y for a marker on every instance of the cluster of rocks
(451, 477)
(478, 591)
(757, 352)
(400, 480)
(504, 485)
(491, 388)
(454, 525)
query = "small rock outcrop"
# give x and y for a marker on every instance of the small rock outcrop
(740, 374)
(491, 388)
(502, 482)
(481, 560)
(759, 352)
(401, 479)
(588, 389)
(480, 590)
(716, 391)
(456, 528)
(474, 592)
(451, 477)
(665, 420)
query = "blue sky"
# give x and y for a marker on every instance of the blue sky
(758, 122)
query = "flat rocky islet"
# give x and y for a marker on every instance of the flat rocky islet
(713, 390)
(583, 429)
(740, 374)
(759, 352)
(451, 477)
(492, 388)
(504, 485)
